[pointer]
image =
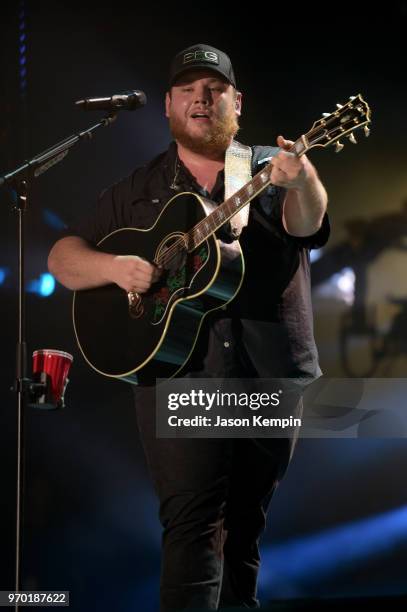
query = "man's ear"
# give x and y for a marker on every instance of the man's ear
(167, 104)
(238, 103)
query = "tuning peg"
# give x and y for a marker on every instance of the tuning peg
(325, 115)
(351, 98)
(352, 138)
(339, 106)
(338, 146)
(366, 131)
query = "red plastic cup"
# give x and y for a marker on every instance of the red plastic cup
(56, 365)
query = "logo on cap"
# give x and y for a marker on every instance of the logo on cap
(201, 56)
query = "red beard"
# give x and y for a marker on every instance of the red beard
(211, 143)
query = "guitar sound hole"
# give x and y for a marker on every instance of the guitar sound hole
(173, 256)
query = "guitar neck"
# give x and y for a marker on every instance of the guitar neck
(342, 122)
(225, 211)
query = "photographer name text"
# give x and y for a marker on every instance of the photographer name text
(253, 421)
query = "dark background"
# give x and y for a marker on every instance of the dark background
(338, 524)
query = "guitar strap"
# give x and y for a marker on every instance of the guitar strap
(238, 172)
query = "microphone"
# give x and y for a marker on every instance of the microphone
(128, 100)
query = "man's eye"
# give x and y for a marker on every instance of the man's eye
(187, 89)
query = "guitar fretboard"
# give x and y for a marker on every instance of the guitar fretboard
(225, 211)
(342, 122)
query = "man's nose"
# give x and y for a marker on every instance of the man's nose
(203, 95)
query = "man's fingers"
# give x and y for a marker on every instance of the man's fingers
(141, 287)
(145, 277)
(283, 143)
(157, 273)
(141, 275)
(145, 266)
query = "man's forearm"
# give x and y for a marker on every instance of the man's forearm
(304, 208)
(77, 266)
(306, 199)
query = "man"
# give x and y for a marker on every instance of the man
(214, 493)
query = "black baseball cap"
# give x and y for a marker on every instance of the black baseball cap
(202, 56)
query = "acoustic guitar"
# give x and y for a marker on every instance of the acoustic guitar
(138, 337)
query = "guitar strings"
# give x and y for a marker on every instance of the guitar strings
(180, 243)
(177, 246)
(175, 249)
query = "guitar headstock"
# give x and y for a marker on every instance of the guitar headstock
(344, 121)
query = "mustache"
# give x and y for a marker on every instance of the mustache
(214, 141)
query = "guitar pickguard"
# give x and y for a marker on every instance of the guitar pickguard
(178, 278)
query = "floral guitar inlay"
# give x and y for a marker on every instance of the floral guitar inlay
(177, 279)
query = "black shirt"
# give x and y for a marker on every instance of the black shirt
(267, 330)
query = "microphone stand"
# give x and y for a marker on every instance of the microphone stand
(19, 180)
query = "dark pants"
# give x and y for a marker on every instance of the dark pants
(214, 494)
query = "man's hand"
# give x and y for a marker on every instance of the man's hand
(289, 170)
(132, 273)
(306, 199)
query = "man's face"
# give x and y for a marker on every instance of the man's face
(203, 109)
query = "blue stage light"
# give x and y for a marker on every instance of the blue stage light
(44, 286)
(3, 274)
(47, 284)
(315, 254)
(289, 567)
(22, 50)
(53, 220)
